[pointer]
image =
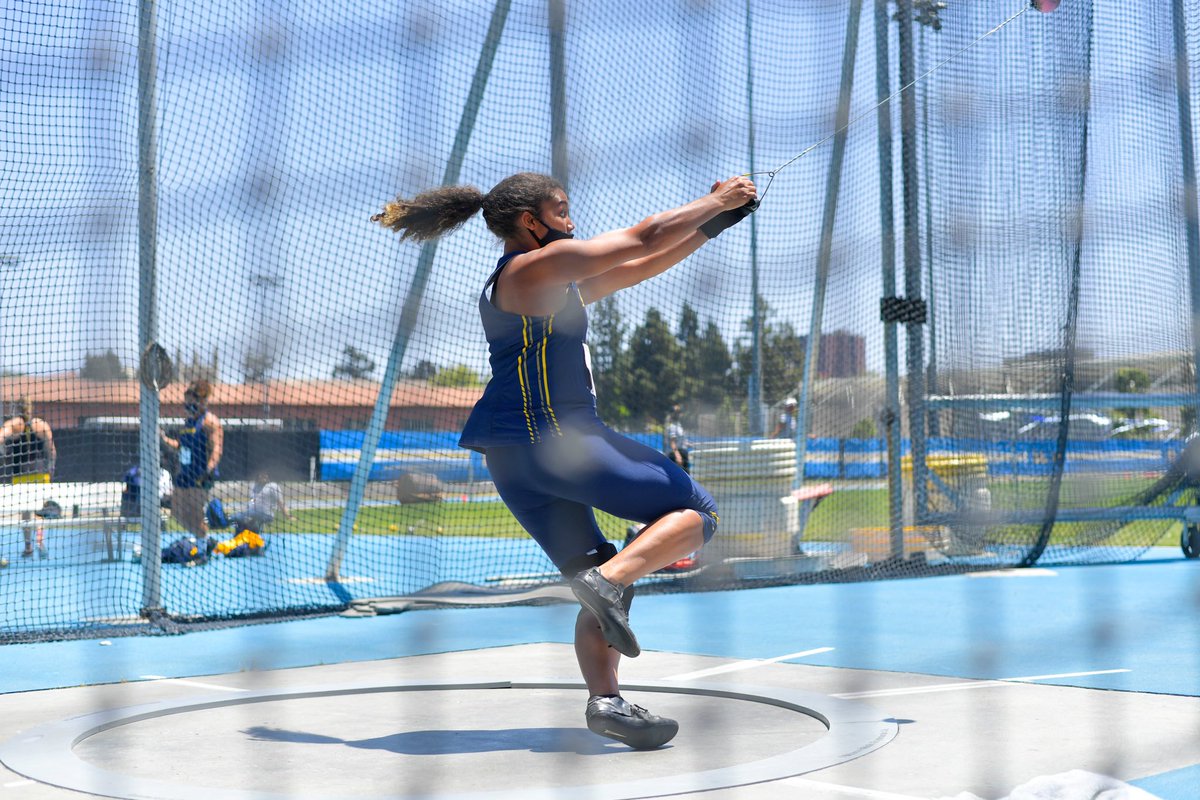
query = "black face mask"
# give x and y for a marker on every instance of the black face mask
(552, 235)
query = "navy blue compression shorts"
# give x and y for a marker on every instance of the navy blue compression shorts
(552, 487)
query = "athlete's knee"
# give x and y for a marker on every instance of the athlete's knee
(706, 507)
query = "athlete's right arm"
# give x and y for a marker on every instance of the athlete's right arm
(550, 268)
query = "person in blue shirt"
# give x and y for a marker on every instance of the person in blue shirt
(785, 426)
(198, 445)
(552, 459)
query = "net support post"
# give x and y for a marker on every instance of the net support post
(887, 229)
(825, 251)
(910, 191)
(556, 24)
(416, 294)
(148, 402)
(1191, 208)
(754, 398)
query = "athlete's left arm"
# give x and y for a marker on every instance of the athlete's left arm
(639, 269)
(216, 437)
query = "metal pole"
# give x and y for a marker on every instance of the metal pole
(6, 262)
(891, 414)
(931, 381)
(416, 293)
(558, 93)
(833, 182)
(912, 258)
(1190, 206)
(148, 447)
(754, 396)
(266, 335)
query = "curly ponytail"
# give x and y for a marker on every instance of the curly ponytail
(431, 213)
(437, 211)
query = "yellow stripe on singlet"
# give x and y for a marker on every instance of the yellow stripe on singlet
(547, 329)
(521, 367)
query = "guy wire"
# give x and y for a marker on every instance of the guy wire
(773, 172)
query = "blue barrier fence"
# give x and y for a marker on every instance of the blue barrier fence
(438, 453)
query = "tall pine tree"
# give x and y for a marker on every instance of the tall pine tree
(655, 370)
(606, 341)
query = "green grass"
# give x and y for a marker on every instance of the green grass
(427, 519)
(846, 509)
(849, 508)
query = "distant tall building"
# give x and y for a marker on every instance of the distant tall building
(842, 355)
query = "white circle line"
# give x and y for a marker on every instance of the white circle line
(46, 753)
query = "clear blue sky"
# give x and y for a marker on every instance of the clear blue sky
(282, 128)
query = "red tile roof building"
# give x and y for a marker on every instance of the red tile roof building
(68, 401)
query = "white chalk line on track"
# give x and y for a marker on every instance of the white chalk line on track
(964, 685)
(737, 666)
(197, 684)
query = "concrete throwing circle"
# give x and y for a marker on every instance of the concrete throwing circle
(46, 753)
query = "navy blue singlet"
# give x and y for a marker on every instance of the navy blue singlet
(551, 458)
(541, 381)
(193, 453)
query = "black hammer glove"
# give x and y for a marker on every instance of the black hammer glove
(727, 219)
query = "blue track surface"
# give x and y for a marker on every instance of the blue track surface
(1139, 617)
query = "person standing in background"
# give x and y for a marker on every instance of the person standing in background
(675, 441)
(27, 445)
(785, 428)
(198, 446)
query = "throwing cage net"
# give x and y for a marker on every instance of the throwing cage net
(974, 270)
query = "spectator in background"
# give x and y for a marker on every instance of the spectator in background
(131, 494)
(198, 446)
(27, 447)
(266, 504)
(675, 442)
(785, 428)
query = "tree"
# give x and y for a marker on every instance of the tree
(424, 371)
(688, 335)
(689, 325)
(606, 341)
(106, 367)
(708, 366)
(864, 429)
(458, 376)
(655, 369)
(1187, 419)
(356, 365)
(1131, 380)
(782, 357)
(783, 361)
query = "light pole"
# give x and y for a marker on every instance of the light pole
(263, 283)
(6, 262)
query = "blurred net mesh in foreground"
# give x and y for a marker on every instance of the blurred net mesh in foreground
(1031, 191)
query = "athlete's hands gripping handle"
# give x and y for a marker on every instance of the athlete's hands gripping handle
(739, 197)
